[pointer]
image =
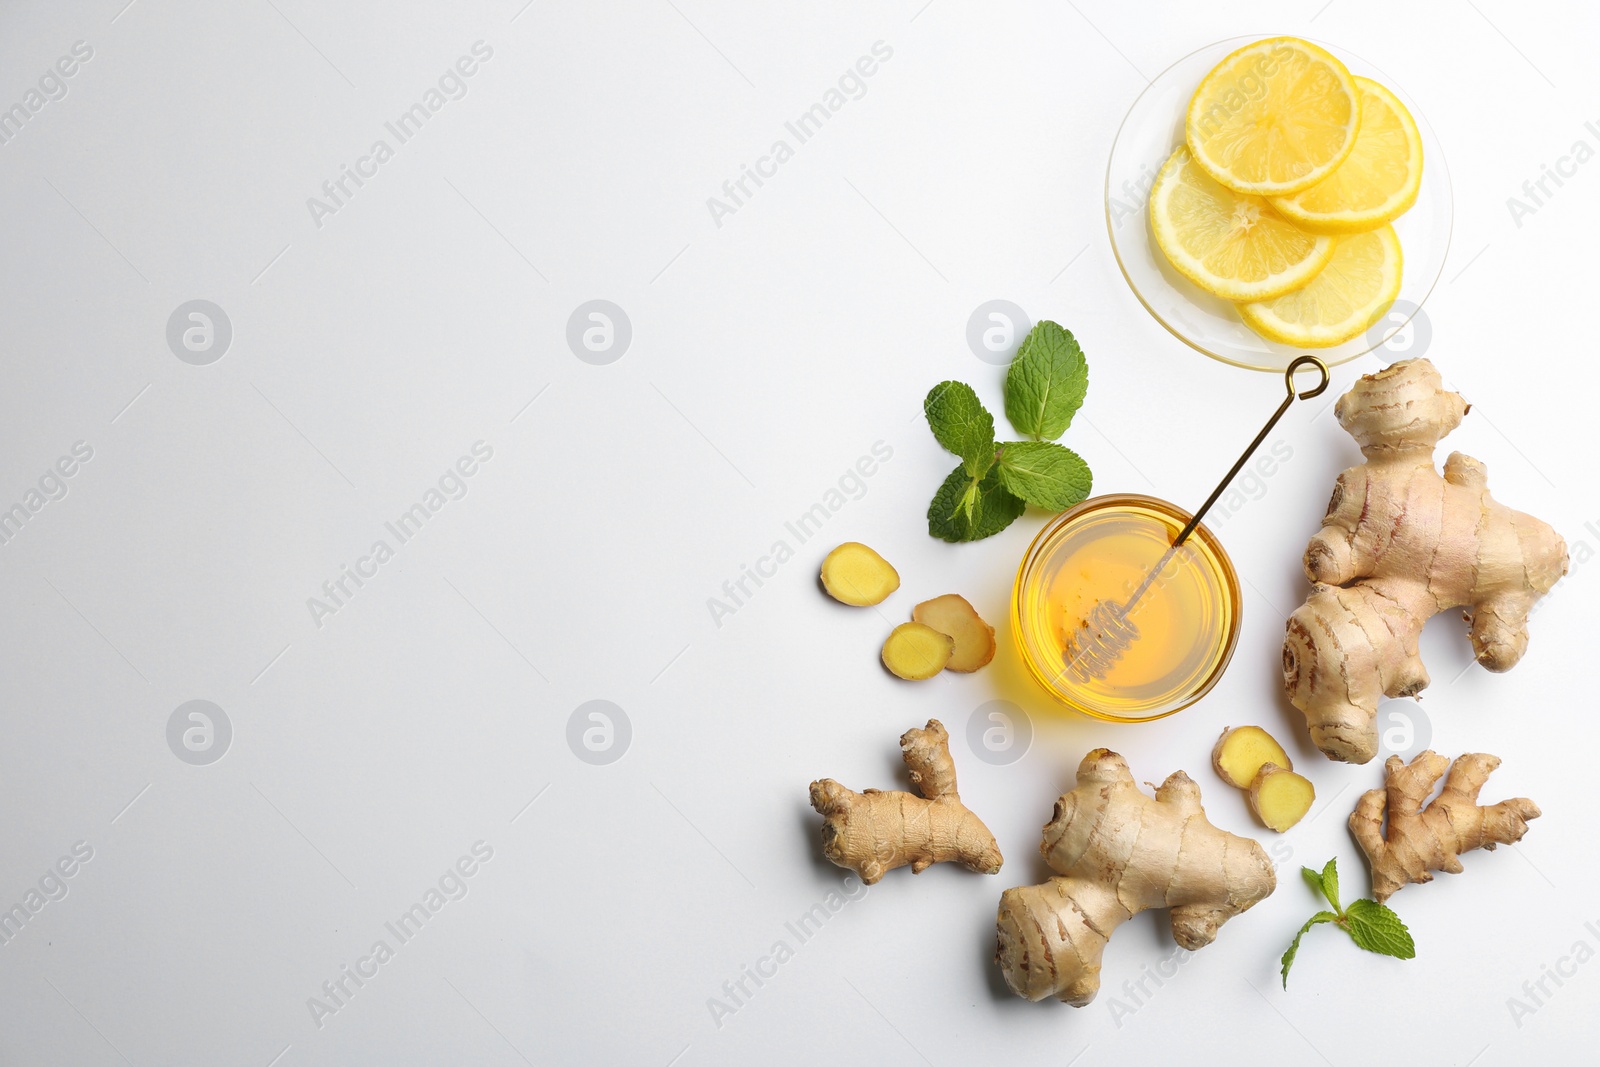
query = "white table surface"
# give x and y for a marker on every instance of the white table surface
(768, 353)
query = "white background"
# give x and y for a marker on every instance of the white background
(768, 354)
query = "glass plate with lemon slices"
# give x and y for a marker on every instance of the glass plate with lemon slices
(1272, 196)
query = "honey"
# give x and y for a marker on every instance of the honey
(1113, 621)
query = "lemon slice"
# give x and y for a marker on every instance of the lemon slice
(1361, 280)
(1235, 246)
(1273, 118)
(1377, 181)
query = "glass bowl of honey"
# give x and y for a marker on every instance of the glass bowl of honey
(1115, 622)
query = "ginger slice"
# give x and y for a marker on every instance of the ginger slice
(1242, 751)
(856, 575)
(953, 616)
(1279, 797)
(916, 652)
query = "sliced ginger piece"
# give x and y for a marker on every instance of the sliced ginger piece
(1242, 751)
(915, 651)
(856, 575)
(952, 616)
(1280, 798)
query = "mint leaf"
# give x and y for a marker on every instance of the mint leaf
(969, 509)
(1294, 946)
(950, 511)
(1314, 880)
(1330, 884)
(1046, 383)
(997, 506)
(1326, 883)
(961, 424)
(1046, 475)
(1376, 928)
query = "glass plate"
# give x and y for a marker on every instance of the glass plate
(1150, 133)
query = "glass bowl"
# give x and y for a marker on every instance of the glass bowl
(1150, 133)
(1184, 622)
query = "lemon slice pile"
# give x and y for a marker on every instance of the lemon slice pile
(1281, 197)
(1233, 245)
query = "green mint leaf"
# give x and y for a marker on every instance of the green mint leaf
(1314, 880)
(997, 507)
(1046, 383)
(969, 509)
(1376, 928)
(1330, 884)
(1046, 475)
(961, 424)
(950, 511)
(1294, 946)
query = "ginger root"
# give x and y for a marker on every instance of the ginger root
(953, 616)
(856, 575)
(1118, 852)
(873, 831)
(1398, 545)
(1426, 839)
(916, 652)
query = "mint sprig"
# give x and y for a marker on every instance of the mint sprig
(1372, 926)
(1044, 388)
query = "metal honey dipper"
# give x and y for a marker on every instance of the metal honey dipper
(1108, 632)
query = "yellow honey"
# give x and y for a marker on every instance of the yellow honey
(1092, 649)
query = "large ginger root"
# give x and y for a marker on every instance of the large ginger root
(1398, 545)
(1422, 840)
(873, 831)
(1119, 852)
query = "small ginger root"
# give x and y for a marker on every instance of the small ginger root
(856, 575)
(952, 616)
(1119, 852)
(874, 831)
(917, 652)
(1242, 750)
(1420, 839)
(1398, 545)
(1279, 797)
